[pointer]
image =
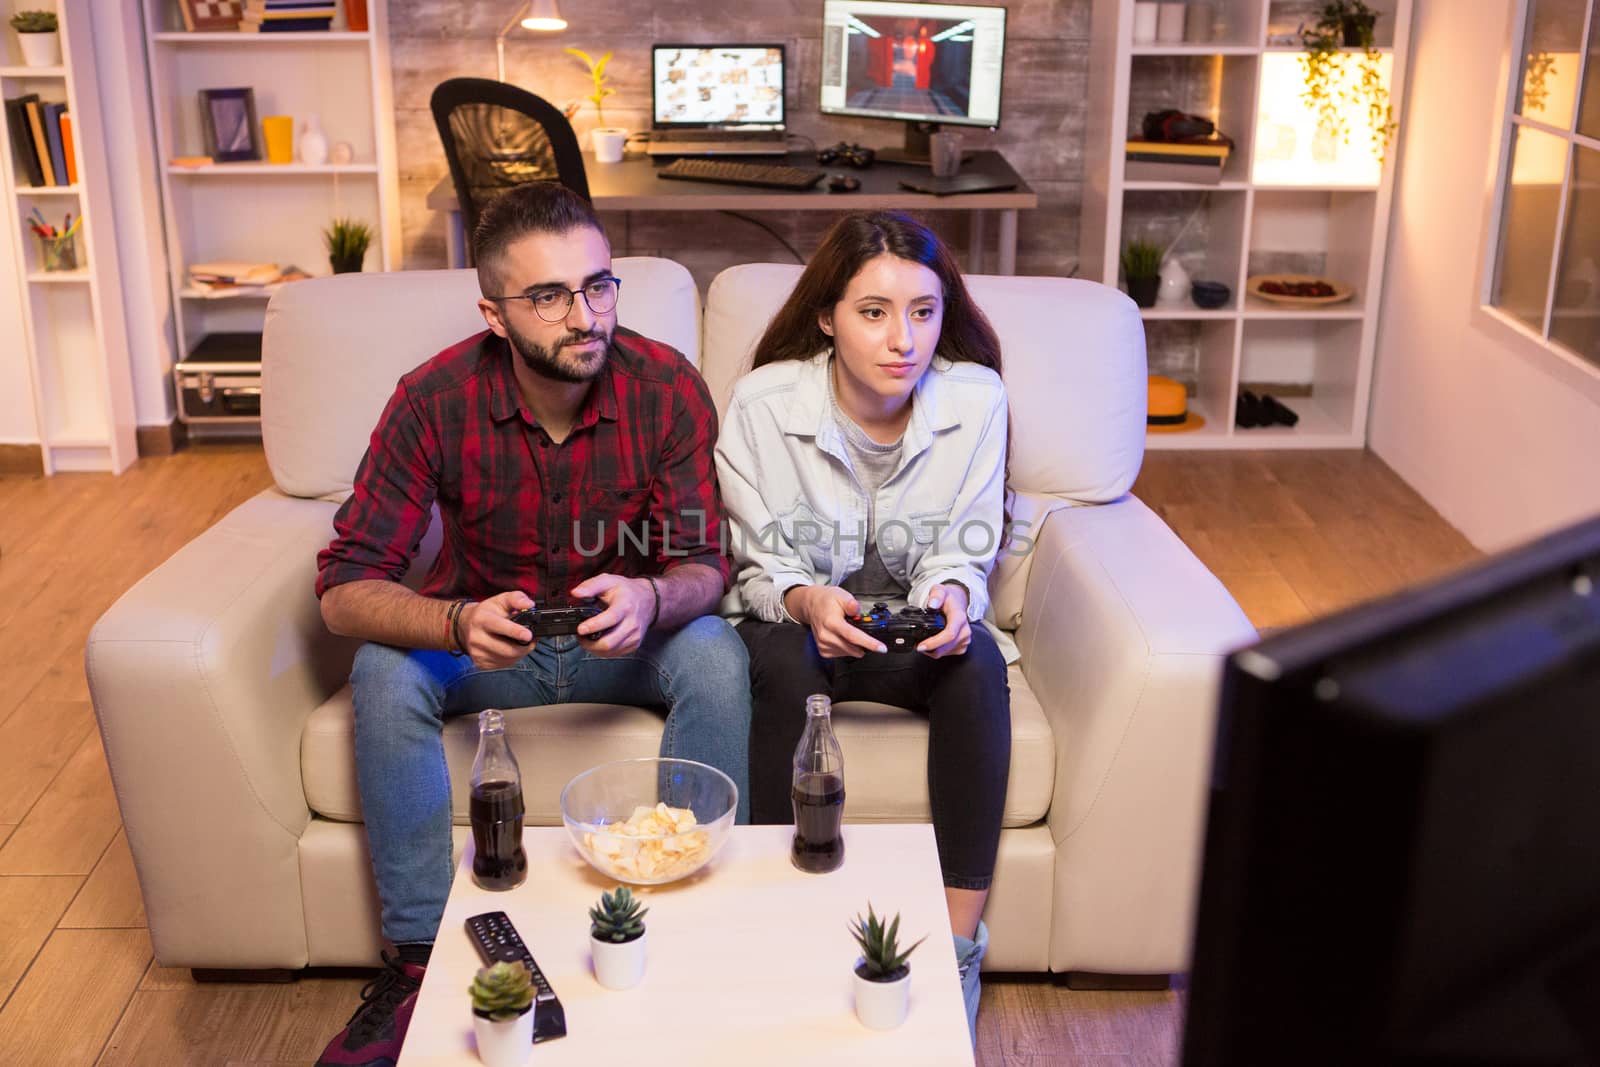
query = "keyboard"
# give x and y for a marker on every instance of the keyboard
(766, 175)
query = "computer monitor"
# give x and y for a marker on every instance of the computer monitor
(717, 86)
(927, 65)
(1402, 858)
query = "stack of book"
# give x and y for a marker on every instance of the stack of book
(287, 16)
(1176, 161)
(41, 141)
(233, 276)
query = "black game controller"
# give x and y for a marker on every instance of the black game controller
(899, 631)
(557, 618)
(852, 154)
(843, 183)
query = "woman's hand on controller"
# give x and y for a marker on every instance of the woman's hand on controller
(957, 633)
(487, 633)
(825, 608)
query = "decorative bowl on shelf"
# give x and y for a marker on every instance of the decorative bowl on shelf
(1297, 290)
(649, 821)
(1209, 295)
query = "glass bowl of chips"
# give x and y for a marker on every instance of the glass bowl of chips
(649, 821)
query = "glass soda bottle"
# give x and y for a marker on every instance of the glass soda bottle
(498, 861)
(818, 792)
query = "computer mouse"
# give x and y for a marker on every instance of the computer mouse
(843, 183)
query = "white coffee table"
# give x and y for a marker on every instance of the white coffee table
(749, 960)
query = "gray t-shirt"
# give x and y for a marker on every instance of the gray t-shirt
(873, 463)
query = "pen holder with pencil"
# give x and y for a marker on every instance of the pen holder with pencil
(59, 253)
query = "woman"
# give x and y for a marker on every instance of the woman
(863, 459)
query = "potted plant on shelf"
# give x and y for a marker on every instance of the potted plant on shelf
(1141, 266)
(502, 1019)
(1329, 88)
(38, 33)
(883, 977)
(347, 242)
(616, 938)
(607, 141)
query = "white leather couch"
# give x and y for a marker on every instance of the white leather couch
(225, 709)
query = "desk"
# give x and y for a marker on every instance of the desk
(632, 185)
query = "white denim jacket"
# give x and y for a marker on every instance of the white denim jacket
(797, 513)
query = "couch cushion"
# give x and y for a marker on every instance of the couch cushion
(335, 347)
(1074, 370)
(886, 756)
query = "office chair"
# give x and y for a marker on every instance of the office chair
(497, 136)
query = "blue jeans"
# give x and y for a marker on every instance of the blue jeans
(699, 674)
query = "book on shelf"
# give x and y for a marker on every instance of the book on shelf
(22, 138)
(1144, 170)
(290, 16)
(52, 135)
(41, 146)
(67, 149)
(1210, 149)
(232, 274)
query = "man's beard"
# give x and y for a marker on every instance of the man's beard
(551, 363)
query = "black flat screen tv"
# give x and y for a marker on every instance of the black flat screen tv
(1402, 860)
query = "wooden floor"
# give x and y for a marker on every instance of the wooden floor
(1292, 535)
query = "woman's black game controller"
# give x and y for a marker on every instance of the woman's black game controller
(854, 155)
(557, 618)
(899, 631)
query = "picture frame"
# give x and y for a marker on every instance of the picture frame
(228, 124)
(211, 16)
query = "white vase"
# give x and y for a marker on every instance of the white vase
(618, 965)
(1174, 291)
(1144, 21)
(40, 49)
(608, 142)
(882, 1005)
(1169, 26)
(504, 1044)
(313, 143)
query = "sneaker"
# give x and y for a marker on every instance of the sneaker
(376, 1031)
(969, 958)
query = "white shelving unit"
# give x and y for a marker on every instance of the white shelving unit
(259, 211)
(1275, 210)
(74, 334)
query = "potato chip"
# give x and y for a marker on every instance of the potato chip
(657, 843)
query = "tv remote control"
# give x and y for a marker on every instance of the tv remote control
(497, 941)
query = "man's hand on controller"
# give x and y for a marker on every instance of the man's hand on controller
(957, 633)
(826, 609)
(487, 633)
(618, 630)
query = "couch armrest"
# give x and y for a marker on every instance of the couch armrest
(1123, 636)
(202, 677)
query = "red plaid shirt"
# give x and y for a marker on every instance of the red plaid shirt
(521, 511)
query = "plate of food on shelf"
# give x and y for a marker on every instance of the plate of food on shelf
(1298, 290)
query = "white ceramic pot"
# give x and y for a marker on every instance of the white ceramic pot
(40, 49)
(1145, 14)
(1174, 291)
(618, 965)
(1169, 29)
(313, 143)
(882, 1005)
(504, 1044)
(608, 142)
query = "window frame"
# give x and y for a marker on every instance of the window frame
(1571, 366)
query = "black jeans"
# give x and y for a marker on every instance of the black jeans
(968, 704)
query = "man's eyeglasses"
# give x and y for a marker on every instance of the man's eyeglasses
(553, 302)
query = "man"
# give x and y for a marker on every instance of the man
(550, 443)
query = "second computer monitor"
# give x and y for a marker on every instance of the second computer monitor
(937, 64)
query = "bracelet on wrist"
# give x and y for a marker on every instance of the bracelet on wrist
(655, 611)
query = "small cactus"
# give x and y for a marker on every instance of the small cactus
(618, 917)
(502, 992)
(880, 946)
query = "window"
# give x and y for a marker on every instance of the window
(1547, 245)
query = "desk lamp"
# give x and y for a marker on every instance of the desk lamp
(534, 15)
